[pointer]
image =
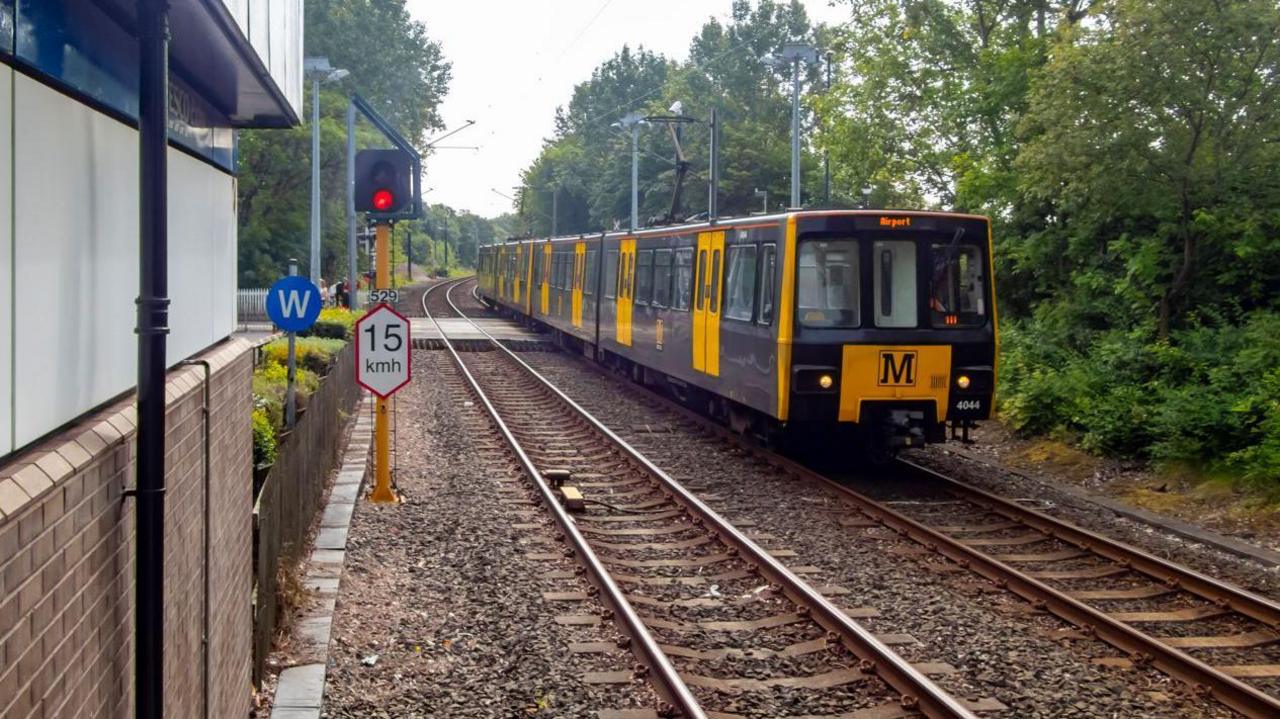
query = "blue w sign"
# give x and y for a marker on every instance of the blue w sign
(293, 303)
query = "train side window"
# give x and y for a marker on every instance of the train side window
(768, 266)
(699, 301)
(589, 281)
(740, 284)
(644, 277)
(662, 278)
(610, 273)
(716, 281)
(629, 279)
(683, 278)
(894, 283)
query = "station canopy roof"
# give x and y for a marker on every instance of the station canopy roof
(210, 54)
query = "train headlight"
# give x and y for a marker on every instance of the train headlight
(962, 381)
(826, 381)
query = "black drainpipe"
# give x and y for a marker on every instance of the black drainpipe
(153, 327)
(208, 514)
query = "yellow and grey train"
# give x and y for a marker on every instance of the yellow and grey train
(879, 325)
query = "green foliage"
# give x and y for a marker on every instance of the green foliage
(1207, 396)
(314, 354)
(397, 68)
(587, 163)
(264, 439)
(333, 323)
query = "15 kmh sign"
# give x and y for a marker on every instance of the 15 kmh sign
(382, 351)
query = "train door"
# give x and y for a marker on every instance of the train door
(500, 273)
(515, 275)
(546, 278)
(531, 257)
(708, 266)
(579, 266)
(626, 286)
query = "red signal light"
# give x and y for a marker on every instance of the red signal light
(383, 200)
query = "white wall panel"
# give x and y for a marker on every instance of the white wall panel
(239, 10)
(76, 239)
(76, 258)
(6, 258)
(260, 29)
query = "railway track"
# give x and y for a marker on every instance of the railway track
(720, 626)
(1222, 640)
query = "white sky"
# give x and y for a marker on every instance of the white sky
(515, 61)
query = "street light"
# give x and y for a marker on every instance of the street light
(794, 53)
(764, 206)
(633, 121)
(319, 70)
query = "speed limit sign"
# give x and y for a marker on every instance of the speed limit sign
(382, 351)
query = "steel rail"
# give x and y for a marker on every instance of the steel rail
(1221, 593)
(667, 682)
(917, 692)
(1141, 647)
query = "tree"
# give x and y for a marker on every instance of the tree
(1152, 142)
(393, 65)
(588, 160)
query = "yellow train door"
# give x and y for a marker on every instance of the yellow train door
(546, 278)
(709, 267)
(501, 274)
(531, 257)
(626, 285)
(516, 284)
(579, 264)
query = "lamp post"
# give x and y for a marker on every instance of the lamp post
(319, 70)
(794, 53)
(632, 122)
(764, 205)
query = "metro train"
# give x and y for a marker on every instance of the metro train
(874, 326)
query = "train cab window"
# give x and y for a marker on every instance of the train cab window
(589, 283)
(768, 267)
(661, 278)
(956, 297)
(740, 285)
(644, 277)
(894, 283)
(683, 279)
(828, 287)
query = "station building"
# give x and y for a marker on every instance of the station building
(69, 259)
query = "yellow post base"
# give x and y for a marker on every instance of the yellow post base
(382, 491)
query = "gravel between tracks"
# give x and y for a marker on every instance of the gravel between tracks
(998, 647)
(441, 612)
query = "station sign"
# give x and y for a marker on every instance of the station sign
(382, 351)
(293, 303)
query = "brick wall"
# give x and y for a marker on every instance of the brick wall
(66, 556)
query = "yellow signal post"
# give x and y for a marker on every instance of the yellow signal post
(382, 492)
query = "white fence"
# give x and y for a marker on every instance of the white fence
(251, 304)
